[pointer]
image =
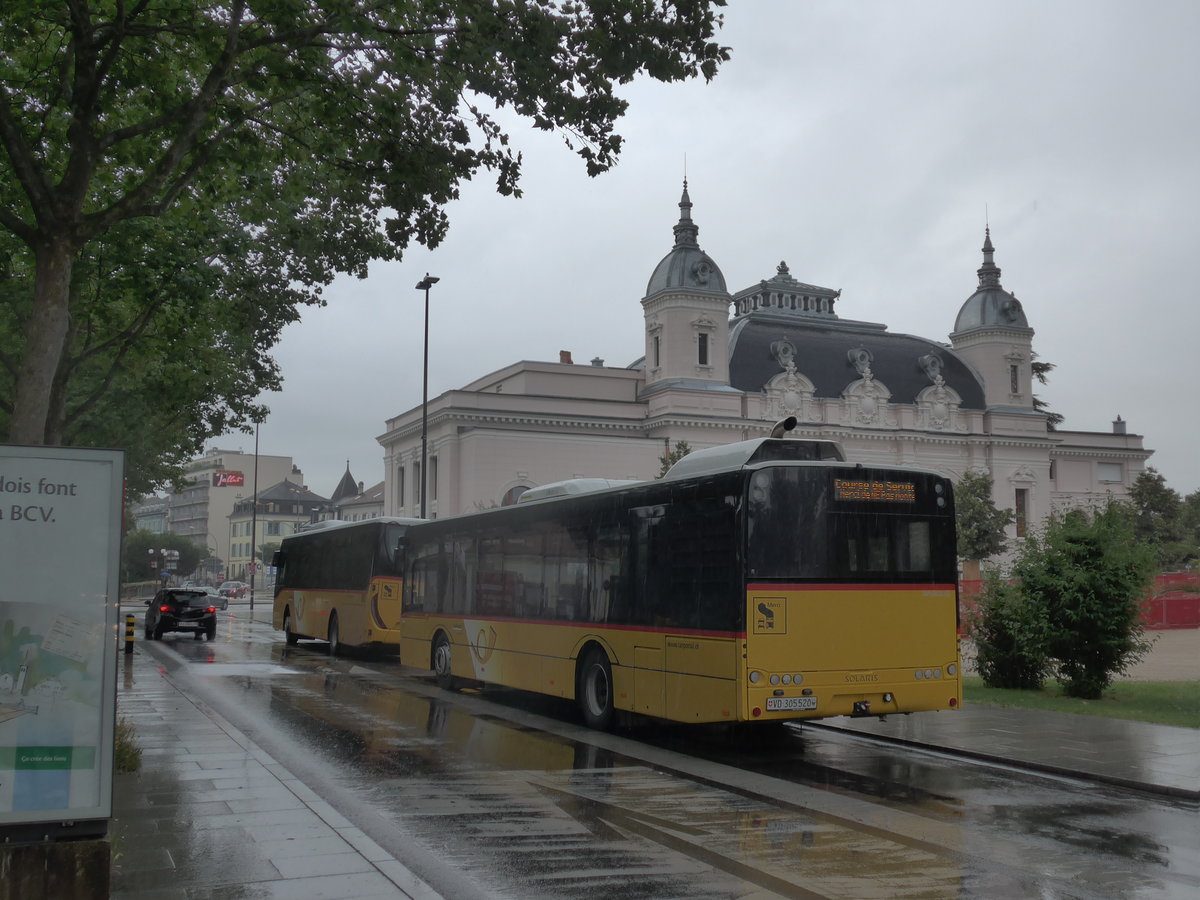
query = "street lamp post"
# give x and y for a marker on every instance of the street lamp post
(424, 285)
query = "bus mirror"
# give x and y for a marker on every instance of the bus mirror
(277, 558)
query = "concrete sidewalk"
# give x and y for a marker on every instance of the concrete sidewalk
(211, 815)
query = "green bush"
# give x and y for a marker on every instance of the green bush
(1007, 633)
(1084, 577)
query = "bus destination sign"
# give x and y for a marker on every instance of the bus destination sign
(875, 491)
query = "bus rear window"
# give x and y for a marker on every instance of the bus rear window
(803, 524)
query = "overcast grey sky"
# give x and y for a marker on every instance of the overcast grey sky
(862, 143)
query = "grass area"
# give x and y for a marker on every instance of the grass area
(1160, 702)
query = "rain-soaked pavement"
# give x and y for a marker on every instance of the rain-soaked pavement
(500, 794)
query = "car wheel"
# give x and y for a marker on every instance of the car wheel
(335, 637)
(595, 691)
(158, 632)
(224, 604)
(197, 635)
(211, 631)
(443, 662)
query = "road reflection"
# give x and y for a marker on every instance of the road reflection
(509, 789)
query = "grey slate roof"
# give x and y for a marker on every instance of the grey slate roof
(821, 354)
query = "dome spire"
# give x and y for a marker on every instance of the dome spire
(989, 272)
(686, 230)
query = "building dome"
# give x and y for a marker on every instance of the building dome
(990, 306)
(686, 267)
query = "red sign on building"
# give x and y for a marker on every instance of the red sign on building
(225, 478)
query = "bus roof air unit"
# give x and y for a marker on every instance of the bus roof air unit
(775, 448)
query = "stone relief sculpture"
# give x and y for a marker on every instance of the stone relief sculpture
(790, 394)
(784, 352)
(866, 402)
(937, 405)
(861, 358)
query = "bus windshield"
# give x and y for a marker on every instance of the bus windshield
(818, 524)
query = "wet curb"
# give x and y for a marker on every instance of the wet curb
(1159, 790)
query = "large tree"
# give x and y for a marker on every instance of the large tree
(1158, 518)
(179, 178)
(979, 523)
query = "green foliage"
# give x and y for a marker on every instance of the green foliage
(1159, 520)
(1085, 577)
(158, 218)
(980, 525)
(127, 755)
(1041, 371)
(136, 556)
(673, 456)
(1007, 632)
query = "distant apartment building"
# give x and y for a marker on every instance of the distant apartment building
(150, 515)
(215, 483)
(265, 520)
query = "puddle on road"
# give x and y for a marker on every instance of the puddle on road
(255, 669)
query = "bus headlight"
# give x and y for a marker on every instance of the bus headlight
(754, 677)
(952, 670)
(774, 679)
(787, 679)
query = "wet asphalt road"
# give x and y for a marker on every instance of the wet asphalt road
(501, 794)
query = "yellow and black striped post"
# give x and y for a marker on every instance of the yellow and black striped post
(129, 633)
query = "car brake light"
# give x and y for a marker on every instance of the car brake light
(164, 609)
(212, 609)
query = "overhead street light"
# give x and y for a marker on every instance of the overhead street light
(424, 285)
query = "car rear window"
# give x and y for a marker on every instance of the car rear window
(190, 599)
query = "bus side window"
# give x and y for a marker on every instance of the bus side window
(422, 591)
(607, 594)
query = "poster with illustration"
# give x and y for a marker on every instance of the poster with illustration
(60, 524)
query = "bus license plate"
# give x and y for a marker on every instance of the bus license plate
(788, 703)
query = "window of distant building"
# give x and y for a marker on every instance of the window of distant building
(400, 487)
(1109, 472)
(702, 350)
(433, 477)
(1022, 510)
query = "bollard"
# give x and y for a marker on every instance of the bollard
(129, 633)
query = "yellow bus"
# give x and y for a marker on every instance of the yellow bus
(759, 581)
(341, 582)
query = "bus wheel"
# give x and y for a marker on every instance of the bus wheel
(442, 662)
(288, 635)
(335, 642)
(595, 691)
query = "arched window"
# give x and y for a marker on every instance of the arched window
(512, 495)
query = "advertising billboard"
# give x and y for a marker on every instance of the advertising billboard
(228, 478)
(60, 542)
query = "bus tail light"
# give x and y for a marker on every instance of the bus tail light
(953, 702)
(756, 712)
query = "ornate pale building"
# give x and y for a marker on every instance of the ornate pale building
(722, 367)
